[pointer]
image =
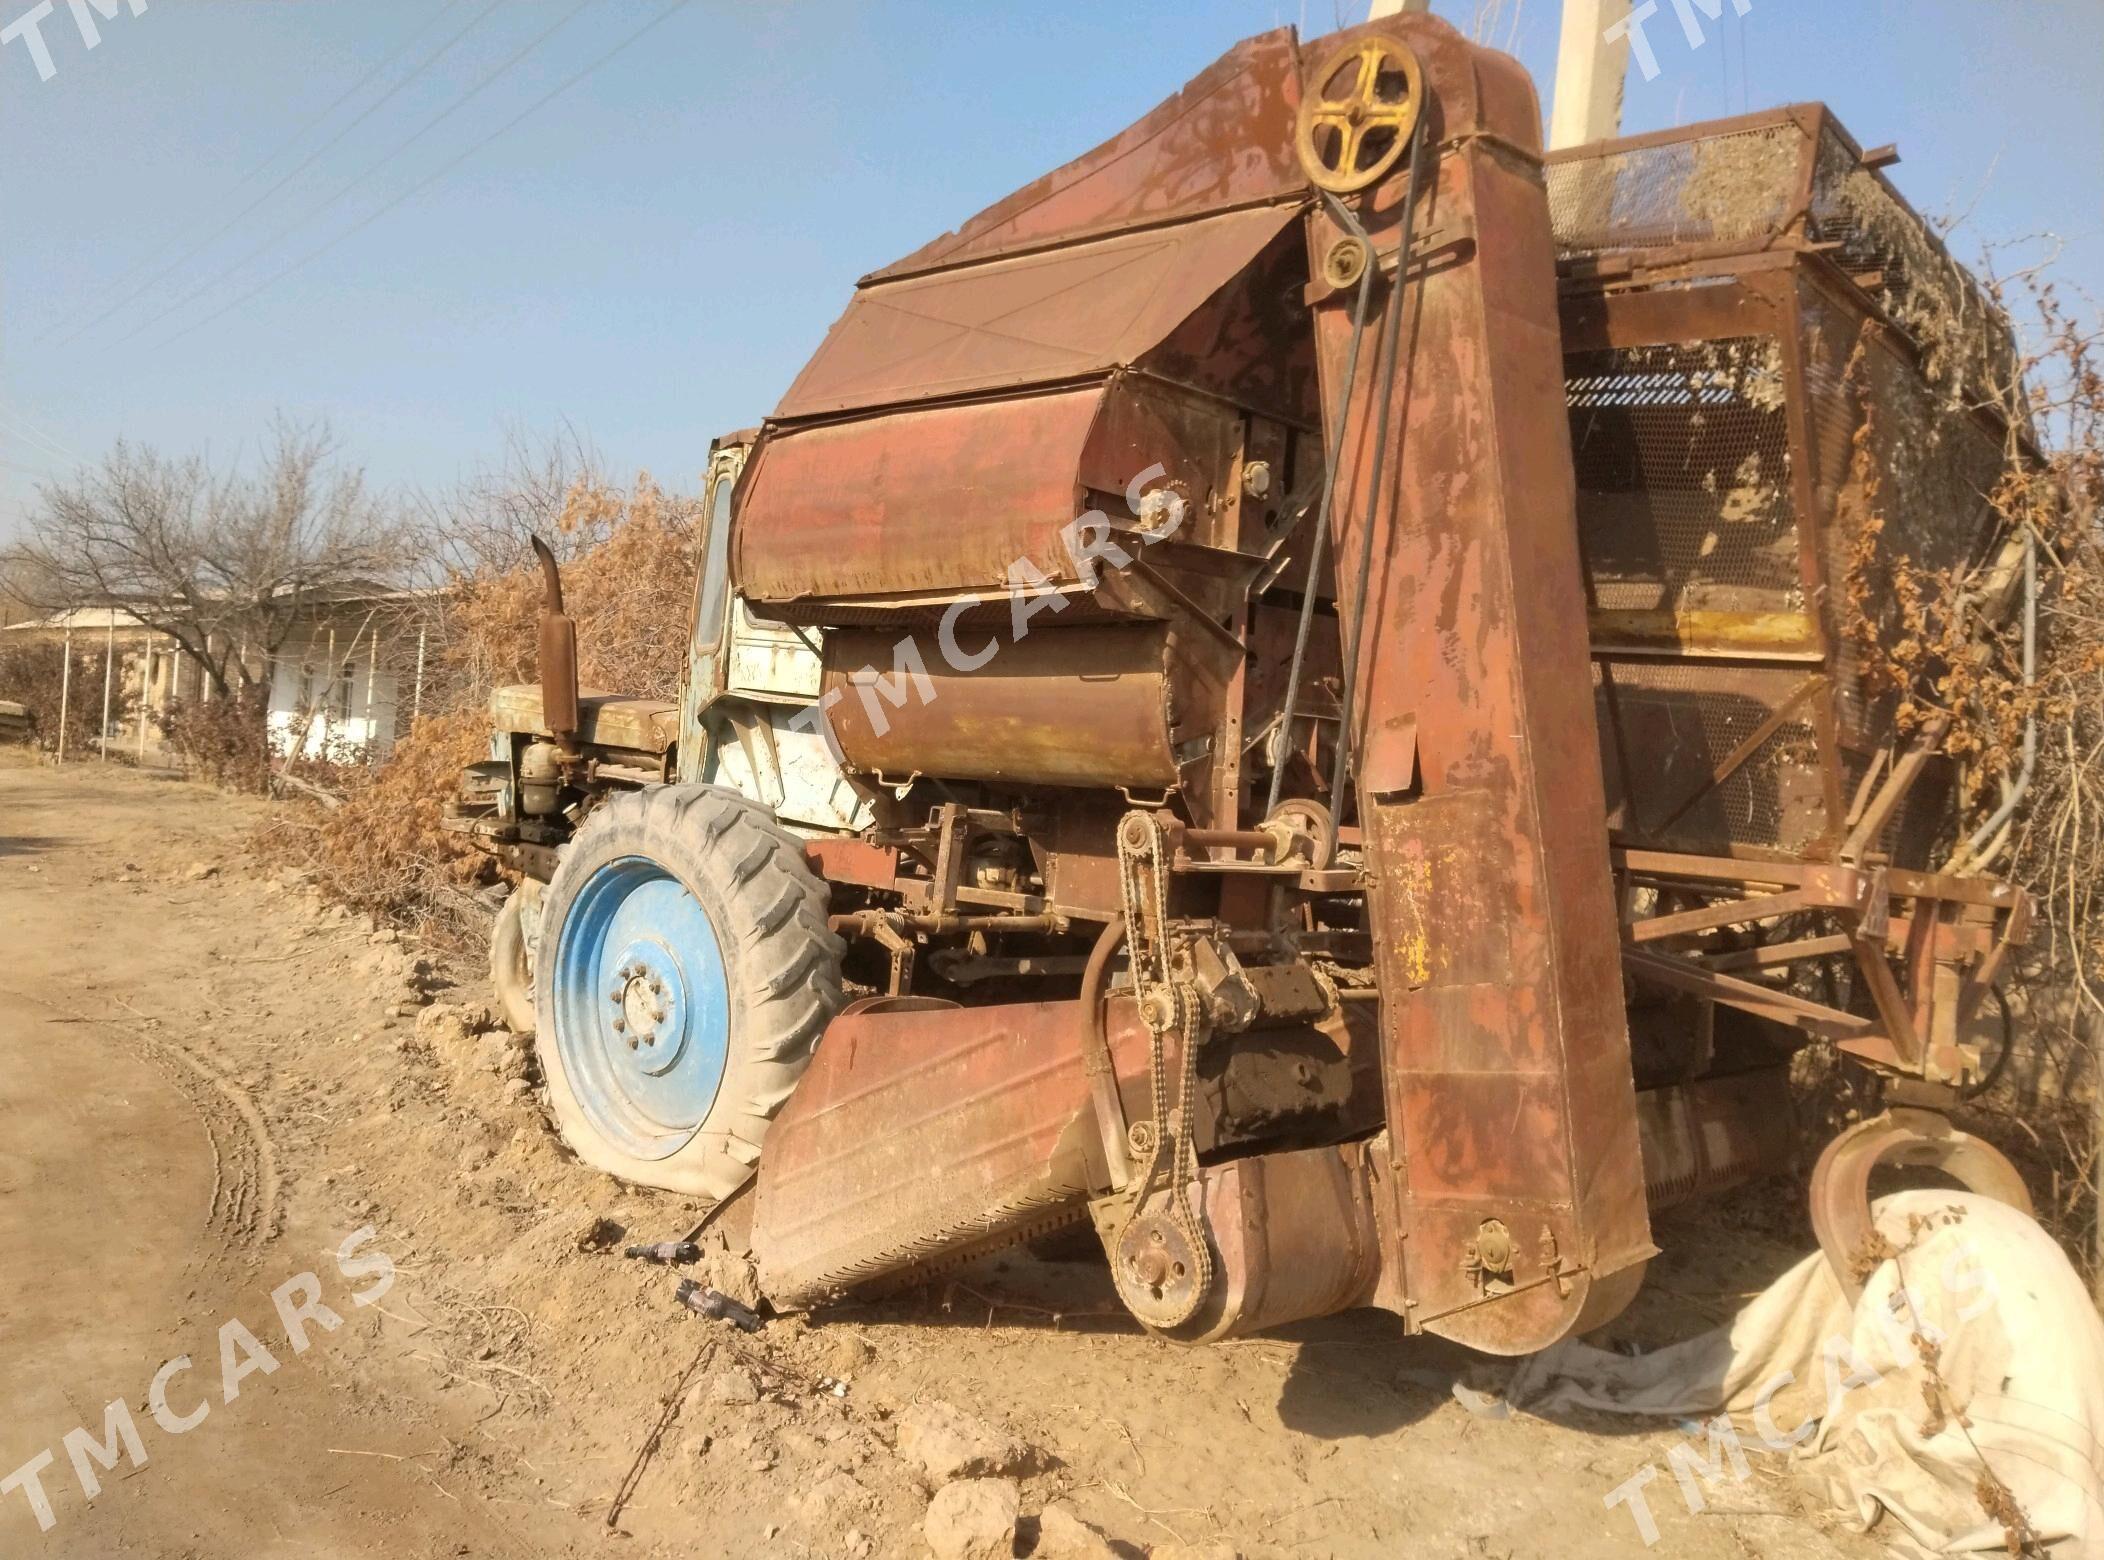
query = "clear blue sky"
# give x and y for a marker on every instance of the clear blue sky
(654, 253)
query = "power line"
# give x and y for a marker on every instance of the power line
(287, 231)
(417, 189)
(30, 434)
(248, 178)
(199, 248)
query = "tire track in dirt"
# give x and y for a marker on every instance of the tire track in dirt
(246, 1182)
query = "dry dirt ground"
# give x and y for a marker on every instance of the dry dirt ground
(206, 1086)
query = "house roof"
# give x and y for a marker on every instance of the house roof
(102, 618)
(82, 620)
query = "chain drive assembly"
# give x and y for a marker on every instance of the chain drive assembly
(1159, 1255)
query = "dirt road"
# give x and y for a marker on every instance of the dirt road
(206, 1087)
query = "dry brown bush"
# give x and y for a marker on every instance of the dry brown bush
(627, 581)
(225, 740)
(1951, 651)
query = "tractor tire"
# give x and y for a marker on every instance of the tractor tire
(685, 973)
(511, 951)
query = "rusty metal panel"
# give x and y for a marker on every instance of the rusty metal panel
(1294, 1236)
(936, 499)
(1706, 1137)
(1086, 706)
(917, 1132)
(1066, 313)
(934, 502)
(1510, 1099)
(1225, 140)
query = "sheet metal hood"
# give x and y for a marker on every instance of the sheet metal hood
(1087, 269)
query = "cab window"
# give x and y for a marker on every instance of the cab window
(715, 567)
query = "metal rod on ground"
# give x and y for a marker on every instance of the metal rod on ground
(109, 667)
(65, 692)
(668, 1410)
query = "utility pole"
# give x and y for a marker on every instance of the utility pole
(1592, 64)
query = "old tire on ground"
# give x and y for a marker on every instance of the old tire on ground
(511, 958)
(685, 973)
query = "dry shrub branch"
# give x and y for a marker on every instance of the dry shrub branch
(627, 580)
(1946, 641)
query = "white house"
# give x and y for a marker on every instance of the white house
(345, 682)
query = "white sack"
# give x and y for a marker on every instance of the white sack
(2016, 1343)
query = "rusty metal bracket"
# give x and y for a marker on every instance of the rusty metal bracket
(1901, 1136)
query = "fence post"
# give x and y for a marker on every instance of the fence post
(65, 692)
(109, 669)
(145, 688)
(372, 687)
(416, 708)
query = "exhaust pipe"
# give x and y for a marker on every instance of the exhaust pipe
(558, 660)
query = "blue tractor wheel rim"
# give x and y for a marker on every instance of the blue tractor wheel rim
(642, 1007)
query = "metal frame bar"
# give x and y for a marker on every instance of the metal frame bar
(1949, 935)
(1755, 740)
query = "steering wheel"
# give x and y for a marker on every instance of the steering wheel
(1349, 141)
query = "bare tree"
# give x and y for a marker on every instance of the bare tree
(226, 564)
(22, 589)
(554, 486)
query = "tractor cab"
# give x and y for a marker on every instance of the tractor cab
(752, 684)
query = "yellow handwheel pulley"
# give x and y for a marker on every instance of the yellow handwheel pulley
(1347, 143)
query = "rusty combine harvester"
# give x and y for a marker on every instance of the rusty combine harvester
(1297, 668)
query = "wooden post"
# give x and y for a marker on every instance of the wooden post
(328, 698)
(109, 672)
(65, 692)
(145, 699)
(372, 686)
(416, 708)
